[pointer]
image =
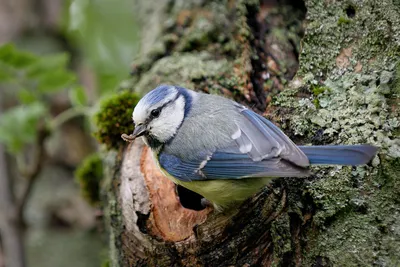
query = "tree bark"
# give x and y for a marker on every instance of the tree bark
(345, 91)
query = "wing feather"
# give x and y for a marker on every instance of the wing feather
(272, 142)
(229, 166)
(257, 149)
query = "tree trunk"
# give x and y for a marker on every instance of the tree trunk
(340, 86)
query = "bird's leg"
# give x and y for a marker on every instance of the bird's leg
(127, 138)
(206, 203)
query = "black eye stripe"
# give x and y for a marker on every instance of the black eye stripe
(151, 117)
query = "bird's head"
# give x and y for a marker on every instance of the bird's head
(159, 114)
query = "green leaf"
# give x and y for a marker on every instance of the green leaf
(15, 58)
(47, 74)
(26, 96)
(6, 50)
(52, 81)
(18, 125)
(51, 73)
(77, 96)
(46, 63)
(5, 75)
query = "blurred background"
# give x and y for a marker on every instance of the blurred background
(58, 58)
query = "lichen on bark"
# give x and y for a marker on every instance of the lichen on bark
(357, 61)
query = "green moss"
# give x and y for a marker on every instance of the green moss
(317, 90)
(343, 20)
(115, 118)
(89, 175)
(316, 103)
(106, 263)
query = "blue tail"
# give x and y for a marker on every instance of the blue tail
(339, 155)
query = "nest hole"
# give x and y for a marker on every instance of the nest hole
(189, 199)
(350, 11)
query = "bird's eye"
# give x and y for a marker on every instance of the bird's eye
(155, 113)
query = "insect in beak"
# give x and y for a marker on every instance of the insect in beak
(139, 130)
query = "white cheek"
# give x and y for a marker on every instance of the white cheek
(171, 117)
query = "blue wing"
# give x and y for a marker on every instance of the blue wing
(224, 165)
(257, 149)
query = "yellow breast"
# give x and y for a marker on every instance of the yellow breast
(222, 192)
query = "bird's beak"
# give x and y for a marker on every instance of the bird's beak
(139, 130)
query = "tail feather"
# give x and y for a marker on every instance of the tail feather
(340, 155)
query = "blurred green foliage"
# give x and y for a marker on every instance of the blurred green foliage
(102, 34)
(31, 75)
(89, 175)
(31, 79)
(18, 125)
(115, 118)
(77, 96)
(108, 35)
(106, 263)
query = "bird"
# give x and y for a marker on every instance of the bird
(221, 149)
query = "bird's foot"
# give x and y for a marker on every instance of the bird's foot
(206, 203)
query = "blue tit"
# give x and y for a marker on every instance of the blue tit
(222, 150)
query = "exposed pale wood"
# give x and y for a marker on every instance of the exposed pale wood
(168, 220)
